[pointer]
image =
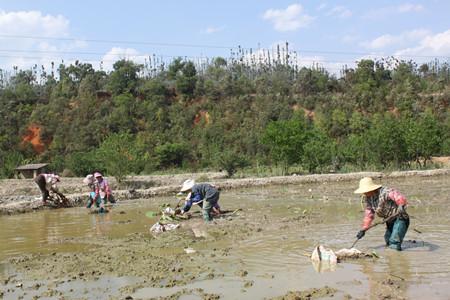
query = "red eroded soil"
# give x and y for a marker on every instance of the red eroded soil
(33, 137)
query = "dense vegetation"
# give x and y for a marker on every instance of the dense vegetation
(225, 114)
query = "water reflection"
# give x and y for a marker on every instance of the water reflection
(398, 265)
(323, 266)
(101, 223)
(413, 245)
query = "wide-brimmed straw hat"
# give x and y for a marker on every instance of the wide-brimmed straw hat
(88, 179)
(366, 185)
(187, 185)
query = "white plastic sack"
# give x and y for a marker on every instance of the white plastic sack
(320, 253)
(189, 250)
(169, 211)
(323, 259)
(348, 253)
(89, 179)
(158, 228)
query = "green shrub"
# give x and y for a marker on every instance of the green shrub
(171, 154)
(231, 162)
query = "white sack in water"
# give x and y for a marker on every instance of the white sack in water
(158, 228)
(169, 211)
(320, 253)
(349, 253)
(325, 259)
(189, 250)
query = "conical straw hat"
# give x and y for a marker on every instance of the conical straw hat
(187, 185)
(366, 185)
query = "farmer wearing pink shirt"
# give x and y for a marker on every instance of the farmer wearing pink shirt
(385, 202)
(102, 193)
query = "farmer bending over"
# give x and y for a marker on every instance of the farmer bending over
(197, 193)
(385, 202)
(102, 193)
(90, 181)
(47, 183)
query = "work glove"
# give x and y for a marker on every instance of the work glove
(360, 234)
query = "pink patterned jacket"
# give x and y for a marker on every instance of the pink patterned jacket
(384, 203)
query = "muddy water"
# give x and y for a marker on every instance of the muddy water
(259, 252)
(45, 231)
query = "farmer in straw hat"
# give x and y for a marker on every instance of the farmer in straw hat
(201, 192)
(385, 202)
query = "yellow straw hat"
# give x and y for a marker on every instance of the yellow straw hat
(366, 185)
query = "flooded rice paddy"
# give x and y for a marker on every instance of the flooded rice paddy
(259, 252)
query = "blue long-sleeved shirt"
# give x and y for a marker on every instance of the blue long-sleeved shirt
(200, 192)
(194, 199)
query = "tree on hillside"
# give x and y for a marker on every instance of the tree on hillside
(231, 162)
(171, 155)
(285, 140)
(184, 75)
(175, 68)
(318, 150)
(124, 77)
(187, 79)
(423, 137)
(120, 156)
(386, 142)
(354, 150)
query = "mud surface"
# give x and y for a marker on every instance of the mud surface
(259, 252)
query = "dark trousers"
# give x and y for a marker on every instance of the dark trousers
(40, 181)
(395, 232)
(208, 204)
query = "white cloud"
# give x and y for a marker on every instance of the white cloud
(118, 53)
(381, 42)
(400, 40)
(289, 19)
(339, 12)
(21, 34)
(212, 29)
(430, 45)
(33, 22)
(409, 7)
(387, 11)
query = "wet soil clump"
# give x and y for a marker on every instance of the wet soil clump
(315, 293)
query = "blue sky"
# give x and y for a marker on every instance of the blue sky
(330, 33)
